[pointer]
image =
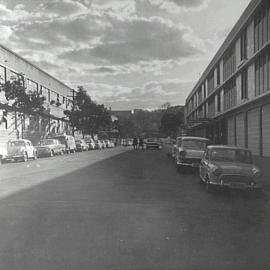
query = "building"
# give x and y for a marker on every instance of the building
(15, 124)
(230, 103)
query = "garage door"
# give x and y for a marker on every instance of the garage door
(240, 130)
(266, 130)
(231, 131)
(254, 131)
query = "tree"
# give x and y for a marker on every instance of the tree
(18, 97)
(171, 121)
(86, 115)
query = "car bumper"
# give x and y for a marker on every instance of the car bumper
(239, 186)
(189, 163)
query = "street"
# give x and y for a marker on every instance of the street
(125, 209)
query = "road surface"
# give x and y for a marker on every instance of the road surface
(125, 209)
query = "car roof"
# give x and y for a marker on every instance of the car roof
(193, 138)
(227, 147)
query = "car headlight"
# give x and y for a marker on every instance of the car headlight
(257, 173)
(217, 171)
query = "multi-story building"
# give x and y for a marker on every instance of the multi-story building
(230, 103)
(15, 124)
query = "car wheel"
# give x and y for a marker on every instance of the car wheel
(208, 186)
(25, 157)
(35, 156)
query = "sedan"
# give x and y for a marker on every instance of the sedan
(229, 167)
(153, 143)
(81, 145)
(50, 147)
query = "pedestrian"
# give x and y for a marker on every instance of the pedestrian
(135, 143)
(141, 143)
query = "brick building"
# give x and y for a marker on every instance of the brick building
(230, 104)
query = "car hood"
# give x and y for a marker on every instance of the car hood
(193, 153)
(236, 168)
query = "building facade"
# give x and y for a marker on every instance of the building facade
(230, 104)
(58, 98)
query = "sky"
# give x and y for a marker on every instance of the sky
(126, 53)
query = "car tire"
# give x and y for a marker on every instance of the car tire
(208, 186)
(25, 157)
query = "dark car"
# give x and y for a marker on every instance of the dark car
(153, 143)
(50, 147)
(81, 145)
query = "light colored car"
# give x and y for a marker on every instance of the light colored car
(68, 141)
(153, 143)
(91, 143)
(189, 151)
(98, 144)
(81, 145)
(20, 150)
(50, 147)
(229, 167)
(103, 144)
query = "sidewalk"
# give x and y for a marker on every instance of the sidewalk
(264, 164)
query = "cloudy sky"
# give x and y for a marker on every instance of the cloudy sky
(126, 53)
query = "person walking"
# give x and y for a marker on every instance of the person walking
(141, 143)
(135, 143)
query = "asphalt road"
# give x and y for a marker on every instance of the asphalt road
(125, 209)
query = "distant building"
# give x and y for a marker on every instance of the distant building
(34, 127)
(230, 103)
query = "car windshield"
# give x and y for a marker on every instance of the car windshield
(191, 144)
(232, 155)
(16, 143)
(61, 139)
(47, 142)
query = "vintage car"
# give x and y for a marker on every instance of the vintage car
(91, 143)
(68, 141)
(229, 167)
(81, 145)
(20, 150)
(153, 143)
(50, 147)
(98, 144)
(189, 151)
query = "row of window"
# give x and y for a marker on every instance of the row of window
(33, 87)
(262, 25)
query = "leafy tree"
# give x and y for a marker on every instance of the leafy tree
(18, 96)
(171, 121)
(86, 115)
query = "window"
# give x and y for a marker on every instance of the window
(218, 102)
(244, 45)
(230, 94)
(211, 82)
(244, 88)
(32, 87)
(218, 74)
(2, 74)
(229, 64)
(262, 26)
(262, 73)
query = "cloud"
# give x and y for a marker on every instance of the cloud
(136, 40)
(175, 6)
(151, 95)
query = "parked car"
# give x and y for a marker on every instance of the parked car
(20, 150)
(91, 143)
(189, 151)
(68, 141)
(229, 167)
(103, 144)
(81, 145)
(153, 143)
(98, 144)
(50, 147)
